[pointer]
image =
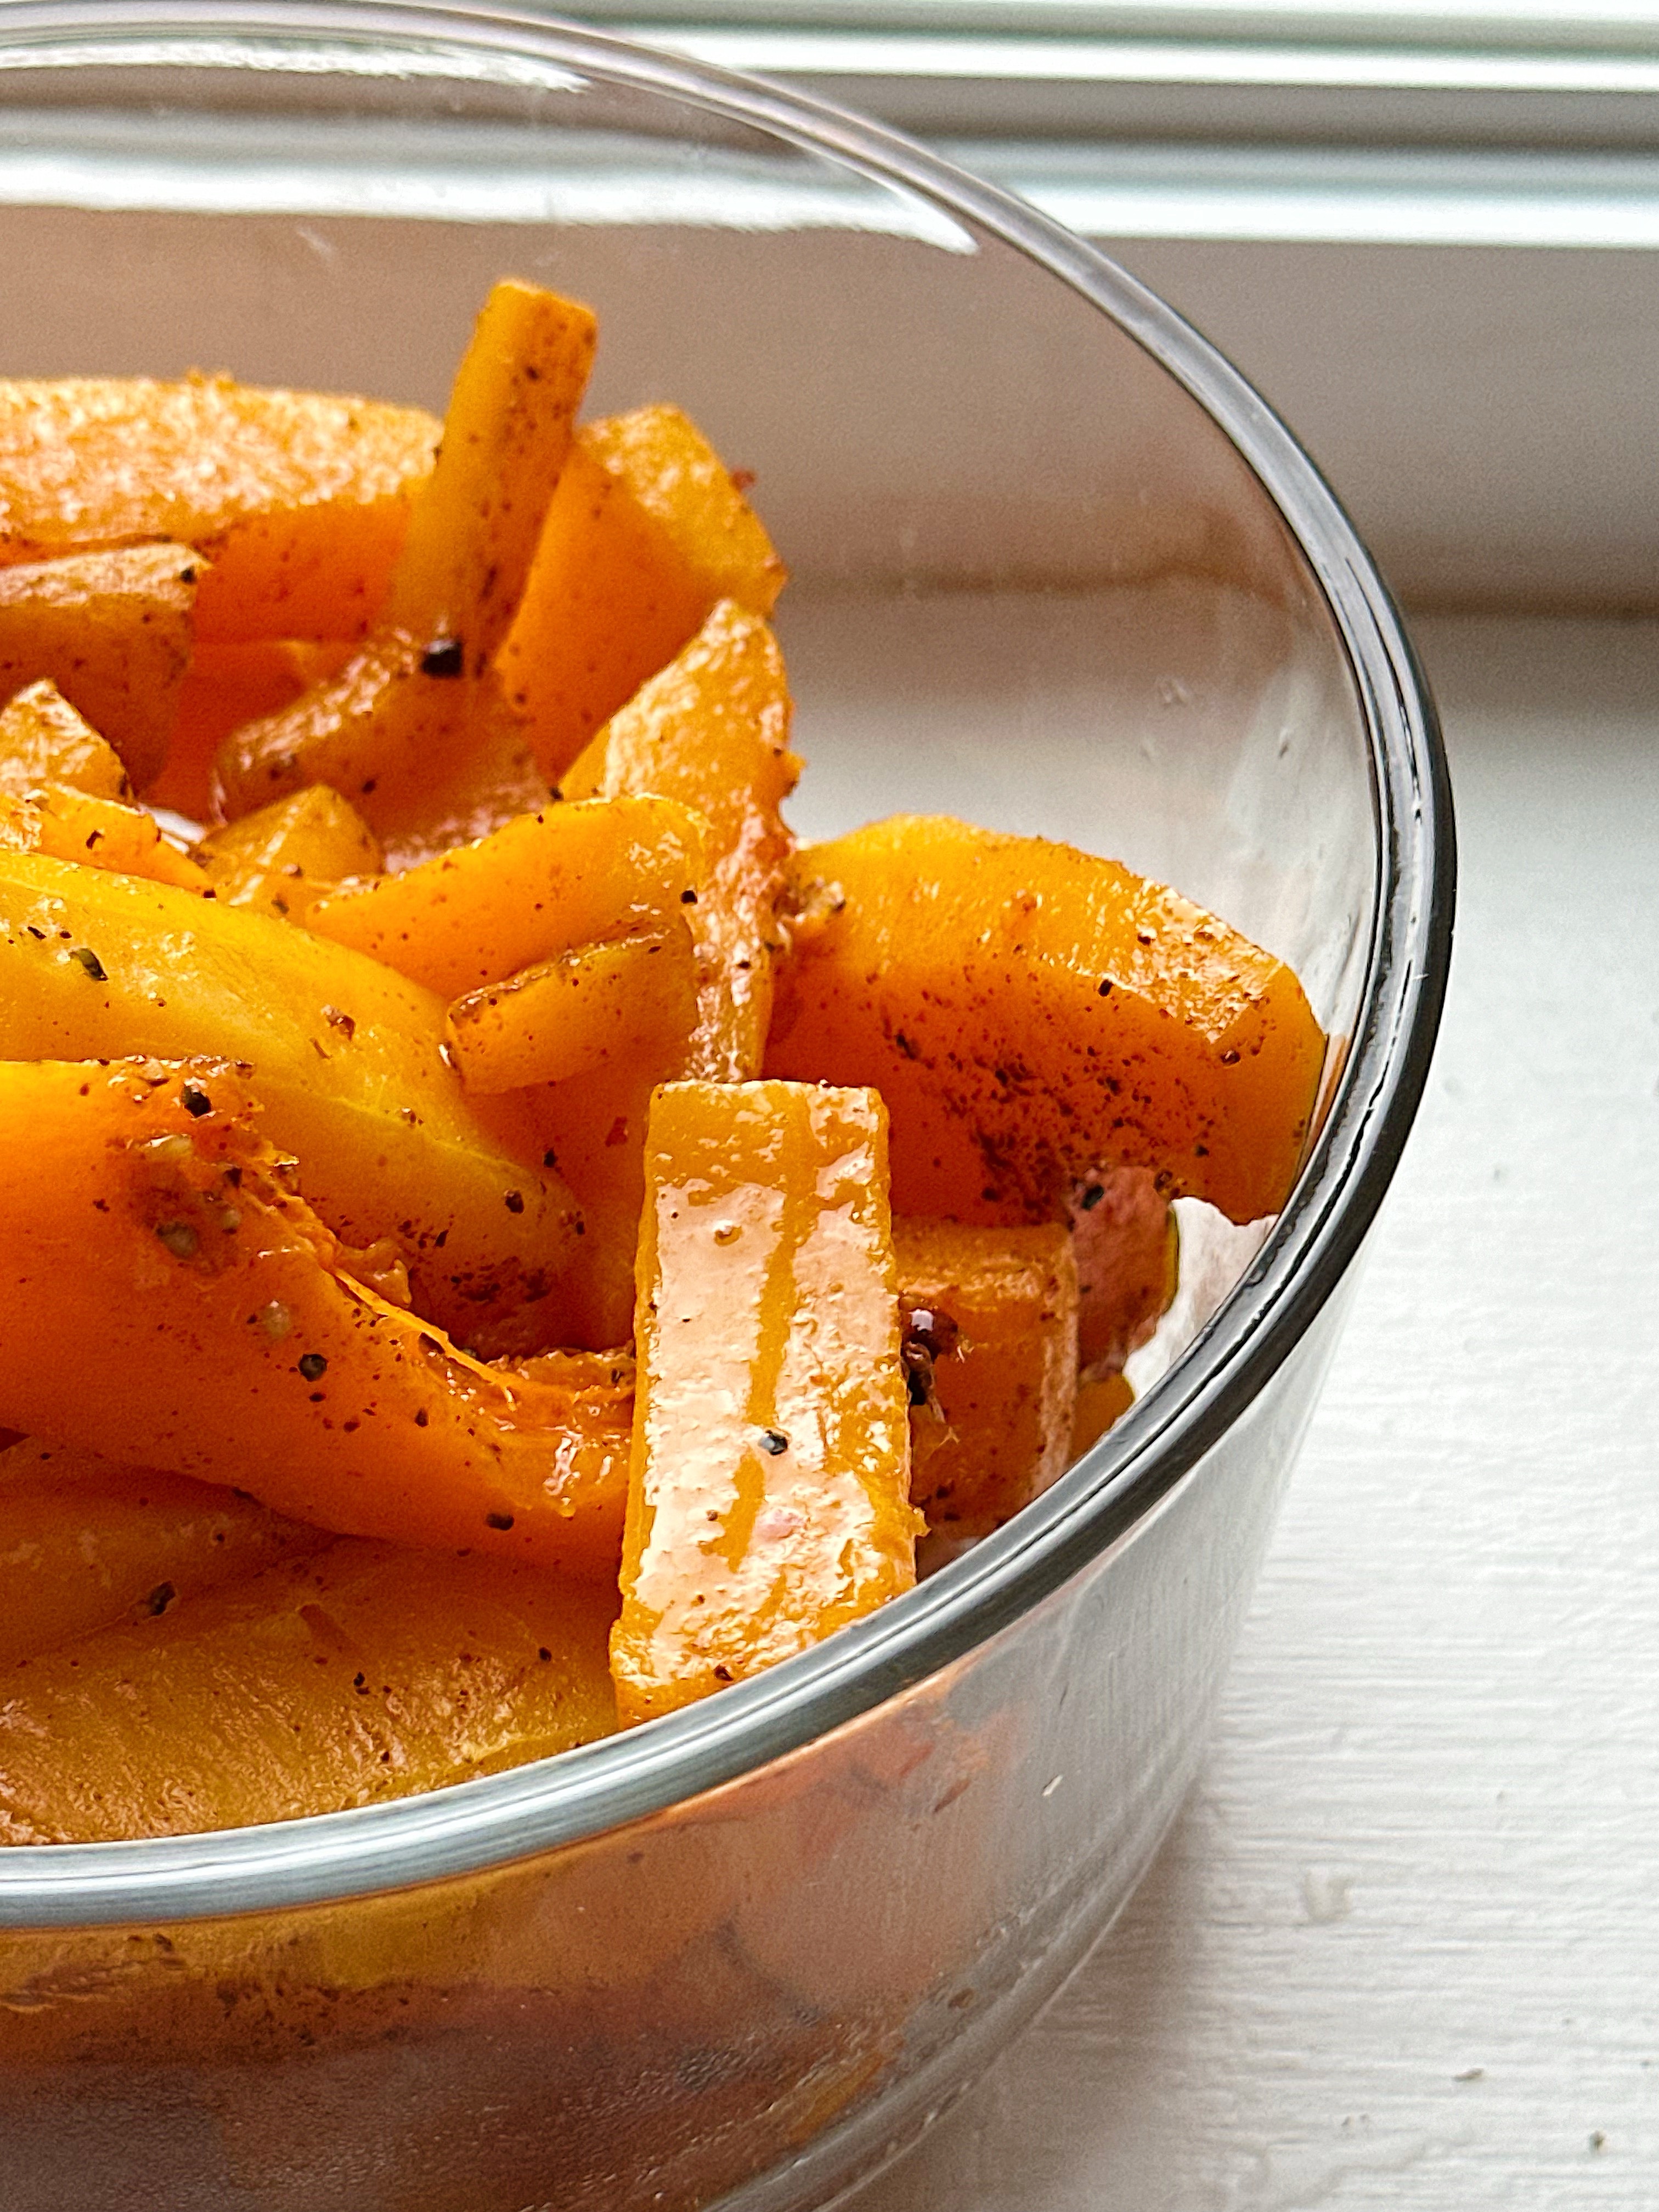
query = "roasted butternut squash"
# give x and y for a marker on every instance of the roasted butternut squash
(415, 732)
(594, 1130)
(88, 1544)
(43, 740)
(767, 1499)
(298, 499)
(990, 1347)
(362, 1673)
(225, 686)
(1129, 1258)
(601, 1004)
(348, 1058)
(428, 760)
(474, 524)
(226, 1334)
(1030, 1013)
(1102, 1401)
(713, 732)
(647, 533)
(540, 885)
(97, 833)
(112, 631)
(288, 855)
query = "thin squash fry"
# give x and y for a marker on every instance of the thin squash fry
(713, 732)
(356, 1675)
(298, 499)
(67, 824)
(474, 524)
(227, 1335)
(348, 1062)
(1028, 1011)
(768, 1502)
(416, 732)
(43, 740)
(112, 631)
(542, 884)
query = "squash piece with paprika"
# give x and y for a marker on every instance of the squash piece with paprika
(224, 1332)
(349, 1063)
(288, 855)
(225, 686)
(361, 1674)
(415, 731)
(1030, 1013)
(43, 741)
(298, 499)
(67, 824)
(541, 884)
(711, 730)
(601, 1006)
(90, 1543)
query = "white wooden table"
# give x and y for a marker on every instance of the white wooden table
(1401, 1950)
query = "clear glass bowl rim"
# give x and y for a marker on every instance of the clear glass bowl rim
(581, 1794)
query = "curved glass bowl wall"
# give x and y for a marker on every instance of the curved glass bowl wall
(742, 1955)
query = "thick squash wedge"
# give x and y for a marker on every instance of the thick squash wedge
(359, 1674)
(165, 1297)
(1030, 1013)
(299, 500)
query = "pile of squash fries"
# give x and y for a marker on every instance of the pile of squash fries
(498, 1242)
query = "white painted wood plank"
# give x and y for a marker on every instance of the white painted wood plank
(1402, 1950)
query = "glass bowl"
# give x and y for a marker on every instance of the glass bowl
(744, 1955)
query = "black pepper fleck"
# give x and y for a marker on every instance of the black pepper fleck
(445, 656)
(313, 1366)
(89, 960)
(774, 1441)
(194, 1101)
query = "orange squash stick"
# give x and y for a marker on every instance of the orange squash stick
(769, 1497)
